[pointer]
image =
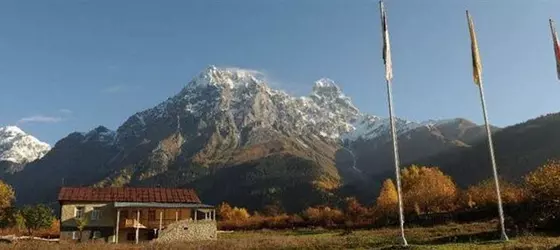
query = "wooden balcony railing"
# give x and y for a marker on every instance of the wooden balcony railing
(144, 223)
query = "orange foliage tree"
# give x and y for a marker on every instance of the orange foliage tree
(226, 212)
(355, 212)
(484, 194)
(323, 216)
(544, 182)
(387, 201)
(427, 189)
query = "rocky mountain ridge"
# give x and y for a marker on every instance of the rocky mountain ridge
(232, 137)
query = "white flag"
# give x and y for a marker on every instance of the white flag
(386, 45)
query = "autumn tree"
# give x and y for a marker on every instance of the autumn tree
(355, 212)
(7, 195)
(543, 183)
(427, 189)
(37, 217)
(240, 214)
(484, 193)
(388, 198)
(226, 212)
(325, 216)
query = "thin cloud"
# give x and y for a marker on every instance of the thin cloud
(260, 74)
(248, 71)
(65, 111)
(39, 119)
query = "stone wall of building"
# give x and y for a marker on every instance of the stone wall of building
(188, 230)
(105, 234)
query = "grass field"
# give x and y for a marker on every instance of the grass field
(455, 236)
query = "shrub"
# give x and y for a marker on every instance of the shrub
(324, 216)
(227, 213)
(484, 194)
(543, 183)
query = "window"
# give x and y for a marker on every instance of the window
(95, 214)
(96, 234)
(79, 212)
(75, 235)
(151, 215)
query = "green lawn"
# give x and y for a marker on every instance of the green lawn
(455, 236)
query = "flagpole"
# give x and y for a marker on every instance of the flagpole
(396, 158)
(388, 77)
(477, 76)
(493, 160)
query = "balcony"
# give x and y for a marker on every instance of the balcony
(144, 223)
(155, 218)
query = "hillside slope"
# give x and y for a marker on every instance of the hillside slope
(519, 149)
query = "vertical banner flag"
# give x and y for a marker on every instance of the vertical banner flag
(556, 47)
(477, 65)
(386, 45)
(477, 75)
(389, 76)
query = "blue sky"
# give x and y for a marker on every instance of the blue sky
(72, 65)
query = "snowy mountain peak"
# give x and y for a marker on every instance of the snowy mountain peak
(240, 100)
(228, 77)
(11, 130)
(325, 83)
(18, 147)
(101, 134)
(326, 87)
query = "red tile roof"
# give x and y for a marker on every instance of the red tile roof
(128, 194)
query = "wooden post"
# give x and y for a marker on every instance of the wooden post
(137, 225)
(194, 214)
(116, 237)
(160, 221)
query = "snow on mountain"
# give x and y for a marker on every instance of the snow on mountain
(18, 147)
(370, 127)
(244, 97)
(101, 134)
(239, 96)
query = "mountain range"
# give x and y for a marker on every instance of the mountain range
(233, 138)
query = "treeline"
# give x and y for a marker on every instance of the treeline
(428, 194)
(37, 220)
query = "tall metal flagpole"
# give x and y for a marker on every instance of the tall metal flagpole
(396, 158)
(388, 77)
(493, 159)
(477, 75)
